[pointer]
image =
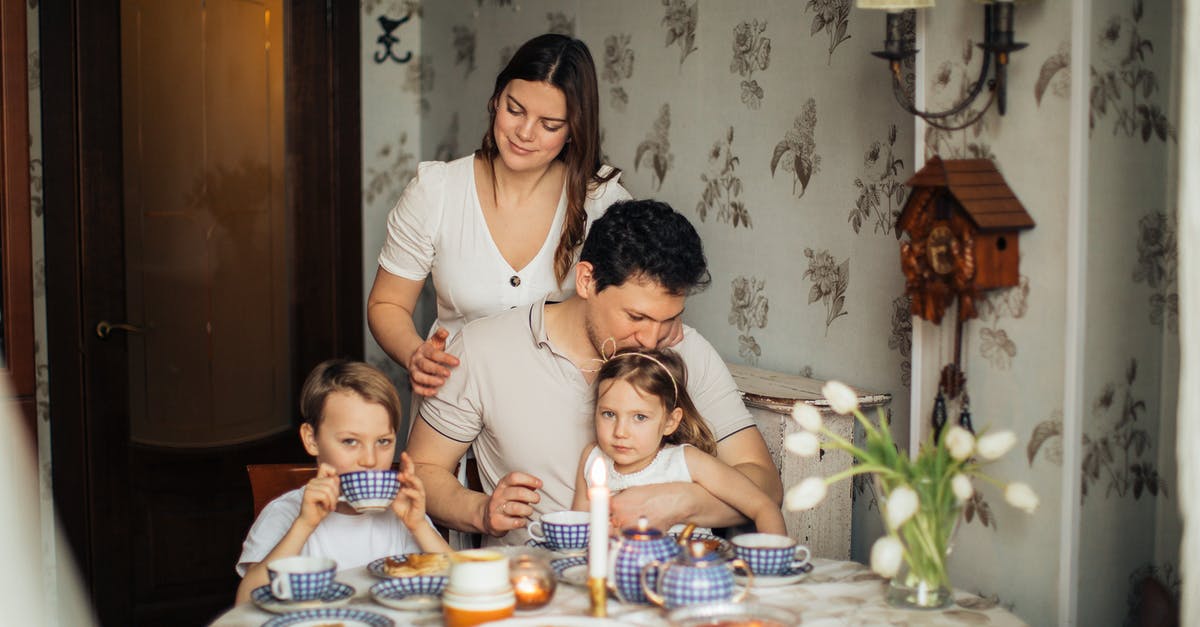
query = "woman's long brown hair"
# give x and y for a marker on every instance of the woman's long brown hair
(565, 63)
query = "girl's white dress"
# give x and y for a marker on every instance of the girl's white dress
(669, 466)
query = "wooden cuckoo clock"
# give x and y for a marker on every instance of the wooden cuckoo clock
(962, 221)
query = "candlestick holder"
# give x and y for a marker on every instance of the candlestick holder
(598, 593)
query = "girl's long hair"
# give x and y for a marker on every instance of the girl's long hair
(565, 63)
(644, 370)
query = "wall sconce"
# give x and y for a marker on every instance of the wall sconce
(997, 44)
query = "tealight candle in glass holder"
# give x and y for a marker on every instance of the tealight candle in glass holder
(532, 581)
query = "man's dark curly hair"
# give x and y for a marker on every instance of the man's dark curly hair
(646, 239)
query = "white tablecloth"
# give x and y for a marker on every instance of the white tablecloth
(835, 593)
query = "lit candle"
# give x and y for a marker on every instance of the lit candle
(531, 593)
(598, 529)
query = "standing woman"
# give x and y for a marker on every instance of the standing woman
(502, 227)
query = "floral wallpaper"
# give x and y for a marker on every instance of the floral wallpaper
(1127, 446)
(1156, 266)
(751, 51)
(617, 66)
(995, 345)
(797, 151)
(711, 107)
(1013, 352)
(656, 148)
(52, 553)
(748, 311)
(789, 155)
(832, 17)
(680, 23)
(722, 186)
(394, 96)
(881, 191)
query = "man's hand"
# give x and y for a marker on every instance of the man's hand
(430, 364)
(663, 504)
(511, 504)
(320, 496)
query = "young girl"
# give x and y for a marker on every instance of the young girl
(648, 431)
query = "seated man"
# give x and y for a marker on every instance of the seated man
(523, 392)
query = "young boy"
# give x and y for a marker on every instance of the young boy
(350, 412)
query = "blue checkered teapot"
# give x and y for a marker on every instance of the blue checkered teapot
(634, 549)
(697, 575)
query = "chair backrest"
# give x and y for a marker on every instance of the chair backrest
(268, 481)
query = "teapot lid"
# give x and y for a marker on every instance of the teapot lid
(642, 531)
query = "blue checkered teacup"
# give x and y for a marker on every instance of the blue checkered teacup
(369, 490)
(300, 578)
(566, 530)
(770, 554)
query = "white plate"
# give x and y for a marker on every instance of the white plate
(345, 616)
(713, 613)
(414, 603)
(337, 595)
(571, 570)
(788, 577)
(558, 621)
(376, 567)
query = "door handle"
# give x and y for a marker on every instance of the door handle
(104, 328)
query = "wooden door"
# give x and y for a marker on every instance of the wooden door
(203, 182)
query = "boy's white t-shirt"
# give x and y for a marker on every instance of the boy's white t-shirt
(350, 540)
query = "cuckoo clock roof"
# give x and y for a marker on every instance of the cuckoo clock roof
(975, 185)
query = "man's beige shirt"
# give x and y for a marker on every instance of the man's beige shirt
(525, 407)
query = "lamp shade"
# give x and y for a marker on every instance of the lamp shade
(894, 5)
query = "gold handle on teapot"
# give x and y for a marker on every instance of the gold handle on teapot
(650, 593)
(738, 563)
(686, 534)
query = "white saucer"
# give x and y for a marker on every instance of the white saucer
(571, 570)
(346, 616)
(550, 546)
(397, 594)
(790, 576)
(338, 594)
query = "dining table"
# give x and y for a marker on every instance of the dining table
(833, 593)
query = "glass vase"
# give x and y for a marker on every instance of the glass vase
(928, 591)
(922, 581)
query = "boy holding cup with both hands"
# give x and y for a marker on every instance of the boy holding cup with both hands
(350, 412)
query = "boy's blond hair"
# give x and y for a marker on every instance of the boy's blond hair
(343, 375)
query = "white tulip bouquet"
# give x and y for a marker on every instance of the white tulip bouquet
(922, 496)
